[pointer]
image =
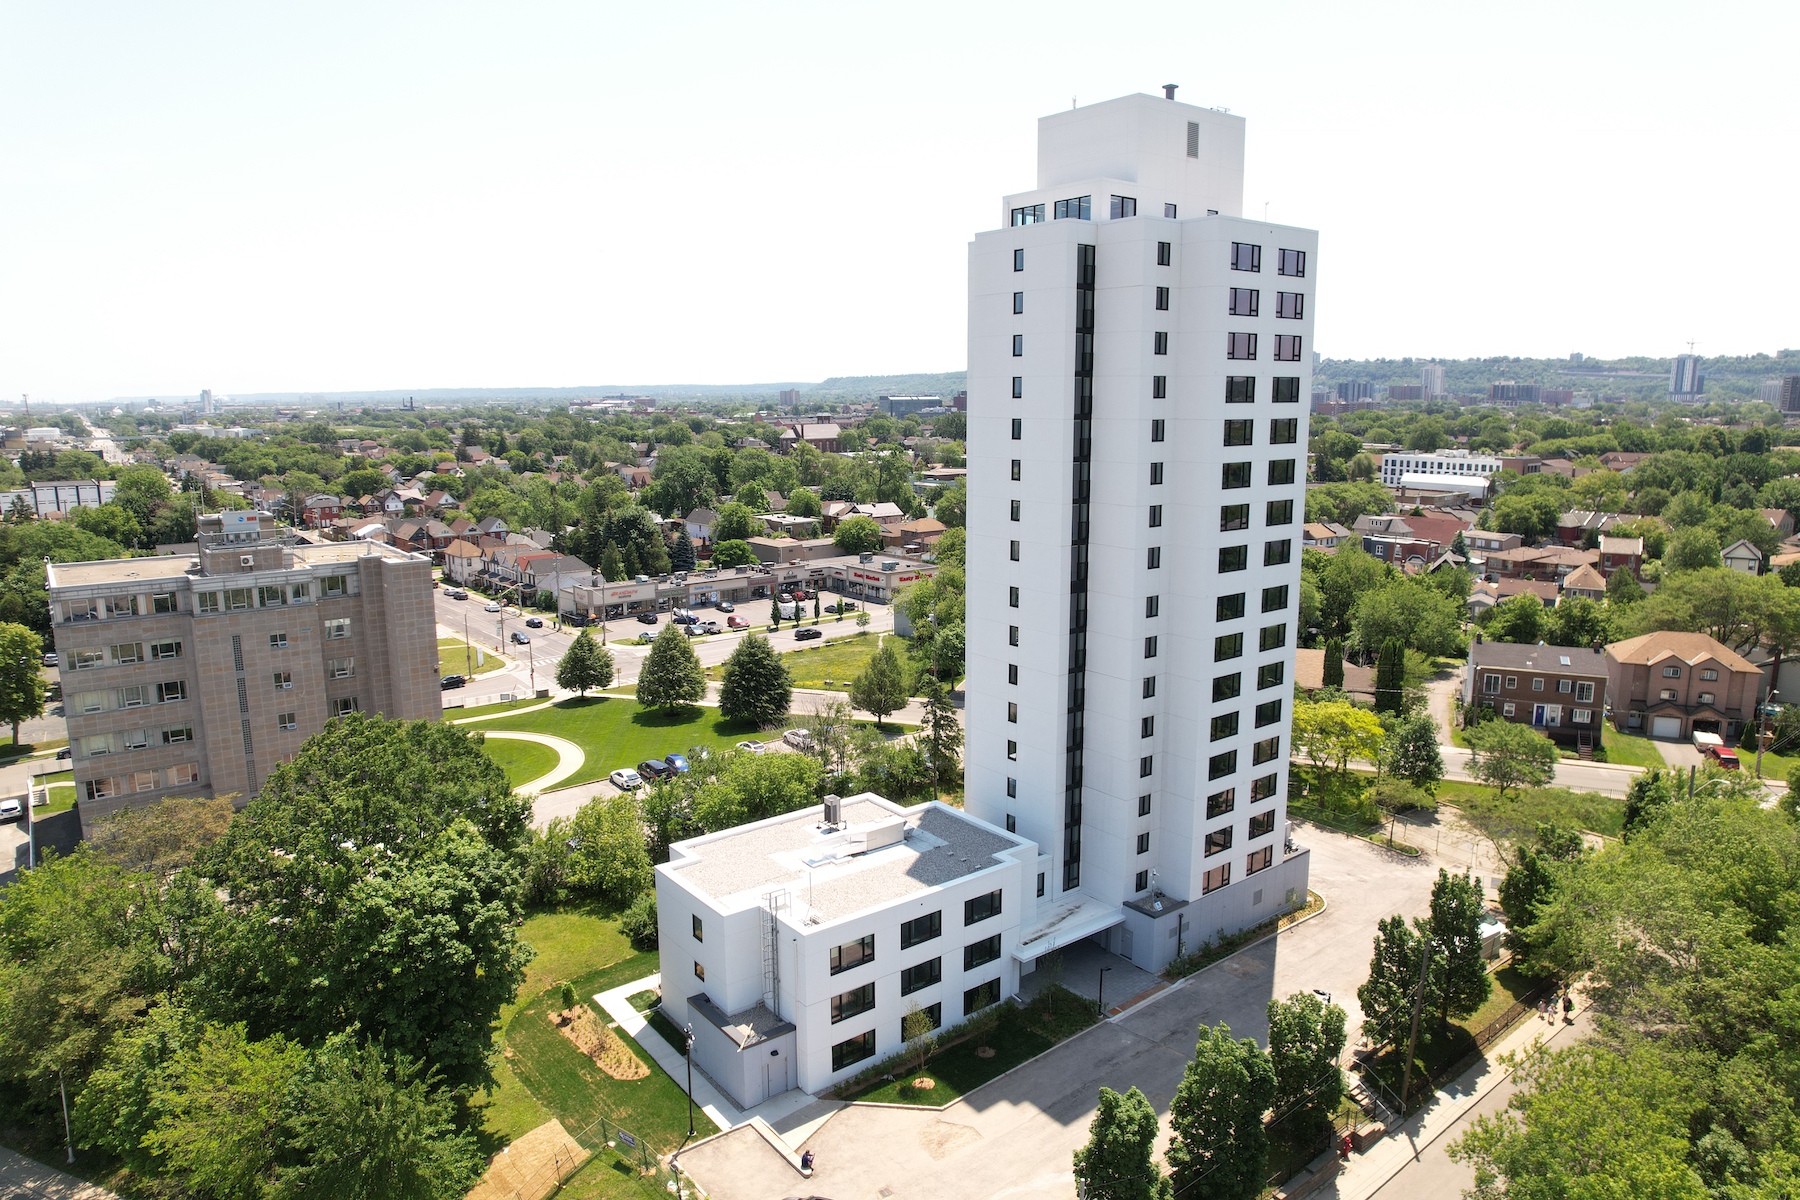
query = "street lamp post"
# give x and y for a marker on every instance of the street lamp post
(689, 1031)
(1101, 999)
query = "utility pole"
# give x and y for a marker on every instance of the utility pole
(1412, 1040)
(1762, 730)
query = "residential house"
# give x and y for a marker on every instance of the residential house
(1323, 535)
(1669, 684)
(1742, 556)
(463, 561)
(1309, 675)
(1622, 460)
(1621, 554)
(316, 512)
(1780, 520)
(1485, 594)
(779, 524)
(1586, 581)
(491, 527)
(548, 569)
(422, 535)
(792, 550)
(463, 527)
(1577, 526)
(699, 525)
(918, 536)
(1558, 690)
(888, 516)
(824, 436)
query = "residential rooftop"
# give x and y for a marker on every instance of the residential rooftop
(1554, 660)
(114, 571)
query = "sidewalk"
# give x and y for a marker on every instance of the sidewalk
(30, 1180)
(1367, 1173)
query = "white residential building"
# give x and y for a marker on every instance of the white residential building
(1431, 375)
(794, 947)
(1460, 465)
(1138, 354)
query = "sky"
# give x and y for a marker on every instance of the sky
(321, 197)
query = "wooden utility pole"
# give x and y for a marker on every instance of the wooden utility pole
(1412, 1041)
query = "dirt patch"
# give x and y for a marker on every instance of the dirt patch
(532, 1167)
(941, 1137)
(595, 1039)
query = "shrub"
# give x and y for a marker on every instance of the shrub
(1397, 795)
(639, 921)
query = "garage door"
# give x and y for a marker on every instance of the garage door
(1665, 727)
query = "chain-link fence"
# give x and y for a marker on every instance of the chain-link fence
(541, 1163)
(616, 1148)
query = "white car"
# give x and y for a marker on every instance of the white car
(752, 747)
(10, 810)
(626, 779)
(799, 739)
(490, 606)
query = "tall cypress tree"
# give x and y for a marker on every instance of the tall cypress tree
(1334, 662)
(1390, 676)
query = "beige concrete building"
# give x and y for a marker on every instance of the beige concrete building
(196, 674)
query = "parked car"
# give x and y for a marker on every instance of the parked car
(678, 763)
(451, 681)
(752, 747)
(644, 639)
(534, 622)
(708, 627)
(65, 753)
(736, 622)
(799, 739)
(491, 606)
(691, 630)
(457, 594)
(841, 606)
(11, 810)
(725, 606)
(625, 779)
(654, 768)
(50, 659)
(684, 618)
(808, 634)
(646, 618)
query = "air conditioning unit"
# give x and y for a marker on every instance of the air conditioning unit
(834, 811)
(246, 560)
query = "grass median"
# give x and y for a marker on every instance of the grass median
(615, 732)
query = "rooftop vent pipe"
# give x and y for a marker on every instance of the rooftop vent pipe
(1169, 90)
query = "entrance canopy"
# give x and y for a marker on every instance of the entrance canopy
(1064, 921)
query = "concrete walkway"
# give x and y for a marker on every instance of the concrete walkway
(570, 757)
(23, 1177)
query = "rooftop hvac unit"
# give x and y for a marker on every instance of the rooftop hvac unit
(834, 810)
(246, 560)
(890, 566)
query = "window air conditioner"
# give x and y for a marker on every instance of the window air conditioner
(246, 560)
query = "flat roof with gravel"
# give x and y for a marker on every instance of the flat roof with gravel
(798, 853)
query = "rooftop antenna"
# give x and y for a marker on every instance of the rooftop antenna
(1169, 90)
(1265, 210)
(1071, 102)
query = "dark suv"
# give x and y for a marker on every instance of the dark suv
(451, 681)
(655, 768)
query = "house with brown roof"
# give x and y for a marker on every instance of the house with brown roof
(1575, 527)
(824, 436)
(1560, 691)
(1323, 535)
(915, 535)
(1780, 520)
(1621, 460)
(462, 561)
(1669, 684)
(1309, 675)
(1585, 581)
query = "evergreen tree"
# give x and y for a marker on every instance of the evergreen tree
(815, 608)
(1390, 676)
(756, 684)
(629, 560)
(1306, 1035)
(1531, 880)
(671, 676)
(942, 733)
(586, 664)
(1459, 546)
(1116, 1164)
(1457, 909)
(775, 610)
(1334, 662)
(1216, 1118)
(881, 688)
(681, 558)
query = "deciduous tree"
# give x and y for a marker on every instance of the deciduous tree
(22, 685)
(1333, 732)
(1507, 756)
(1116, 1162)
(1411, 751)
(608, 858)
(1216, 1119)
(860, 535)
(1457, 909)
(881, 687)
(1306, 1036)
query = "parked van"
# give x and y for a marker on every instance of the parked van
(1712, 747)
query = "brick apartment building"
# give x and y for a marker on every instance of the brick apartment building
(196, 674)
(1558, 690)
(1670, 684)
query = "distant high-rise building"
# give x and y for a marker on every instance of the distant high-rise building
(1357, 390)
(1685, 378)
(208, 406)
(1431, 378)
(904, 406)
(790, 395)
(1406, 391)
(1138, 358)
(1577, 356)
(1790, 394)
(1513, 394)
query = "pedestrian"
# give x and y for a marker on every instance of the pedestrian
(806, 1162)
(1346, 1144)
(1568, 1009)
(1544, 1010)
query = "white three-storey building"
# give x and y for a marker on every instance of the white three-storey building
(1139, 358)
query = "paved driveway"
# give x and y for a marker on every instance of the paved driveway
(1014, 1137)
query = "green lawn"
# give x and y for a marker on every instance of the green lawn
(522, 761)
(487, 710)
(62, 793)
(1516, 817)
(615, 732)
(457, 657)
(1019, 1034)
(1631, 750)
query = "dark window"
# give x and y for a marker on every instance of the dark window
(1224, 725)
(863, 1044)
(1262, 789)
(1012, 750)
(1228, 646)
(981, 907)
(979, 954)
(1229, 607)
(1143, 843)
(1015, 510)
(1233, 558)
(1287, 347)
(1286, 389)
(1293, 262)
(1281, 470)
(1267, 713)
(1240, 345)
(1018, 302)
(1156, 430)
(1123, 206)
(1227, 687)
(1160, 343)
(1040, 887)
(1012, 634)
(1018, 345)
(1018, 429)
(1144, 805)
(1012, 792)
(1235, 475)
(1269, 675)
(699, 930)
(1262, 824)
(1156, 473)
(1012, 597)
(1146, 766)
(1240, 433)
(1031, 214)
(1272, 637)
(1164, 254)
(1018, 260)
(980, 996)
(1152, 606)
(1233, 517)
(935, 1012)
(1267, 750)
(1150, 647)
(852, 1003)
(1012, 713)
(1153, 559)
(1169, 211)
(921, 929)
(1246, 257)
(1017, 466)
(1146, 727)
(1149, 686)
(1220, 803)
(1291, 305)
(1015, 554)
(1159, 387)
(1221, 765)
(1156, 516)
(852, 954)
(1278, 512)
(1162, 299)
(1079, 208)
(1284, 431)
(1218, 841)
(1276, 553)
(1275, 598)
(1244, 302)
(1240, 389)
(1141, 881)
(1018, 387)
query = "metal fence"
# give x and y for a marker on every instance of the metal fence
(616, 1148)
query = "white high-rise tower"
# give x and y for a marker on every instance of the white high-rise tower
(1140, 355)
